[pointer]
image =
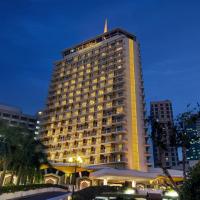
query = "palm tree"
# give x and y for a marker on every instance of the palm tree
(21, 153)
(184, 132)
(7, 149)
(158, 138)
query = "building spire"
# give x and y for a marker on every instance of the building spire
(106, 26)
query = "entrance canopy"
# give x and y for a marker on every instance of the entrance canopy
(129, 175)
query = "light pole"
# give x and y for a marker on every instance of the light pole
(75, 160)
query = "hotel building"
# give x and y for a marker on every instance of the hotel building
(95, 107)
(162, 111)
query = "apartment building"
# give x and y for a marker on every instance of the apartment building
(15, 117)
(95, 107)
(162, 111)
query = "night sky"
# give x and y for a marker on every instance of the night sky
(34, 32)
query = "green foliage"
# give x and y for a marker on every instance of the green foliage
(11, 189)
(91, 192)
(191, 187)
(20, 153)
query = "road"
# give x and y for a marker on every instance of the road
(43, 196)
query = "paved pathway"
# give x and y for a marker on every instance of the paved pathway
(46, 196)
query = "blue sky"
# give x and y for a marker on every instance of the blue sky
(34, 32)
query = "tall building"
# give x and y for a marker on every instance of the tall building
(15, 117)
(193, 153)
(95, 107)
(162, 111)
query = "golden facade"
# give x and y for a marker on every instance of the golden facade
(95, 106)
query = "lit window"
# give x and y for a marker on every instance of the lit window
(82, 119)
(75, 113)
(66, 83)
(100, 99)
(78, 92)
(74, 69)
(99, 107)
(90, 117)
(78, 98)
(73, 81)
(87, 83)
(92, 109)
(79, 85)
(92, 102)
(96, 67)
(93, 94)
(84, 104)
(76, 58)
(88, 71)
(110, 81)
(94, 87)
(82, 67)
(101, 92)
(102, 78)
(72, 87)
(109, 105)
(86, 90)
(119, 110)
(71, 94)
(118, 48)
(102, 84)
(95, 80)
(63, 102)
(99, 115)
(80, 79)
(80, 73)
(70, 100)
(109, 89)
(111, 75)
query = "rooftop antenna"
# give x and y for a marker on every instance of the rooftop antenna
(106, 26)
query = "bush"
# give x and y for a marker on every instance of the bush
(14, 188)
(191, 187)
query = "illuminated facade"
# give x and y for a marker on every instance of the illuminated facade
(95, 107)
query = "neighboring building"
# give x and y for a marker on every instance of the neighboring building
(15, 117)
(193, 153)
(162, 111)
(96, 107)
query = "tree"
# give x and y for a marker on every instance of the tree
(191, 187)
(180, 137)
(20, 153)
(185, 131)
(158, 138)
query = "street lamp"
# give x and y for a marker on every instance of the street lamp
(76, 160)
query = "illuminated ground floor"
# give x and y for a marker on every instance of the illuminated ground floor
(153, 180)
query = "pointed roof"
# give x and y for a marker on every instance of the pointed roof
(106, 26)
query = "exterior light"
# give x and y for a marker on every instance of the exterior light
(171, 193)
(129, 191)
(79, 159)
